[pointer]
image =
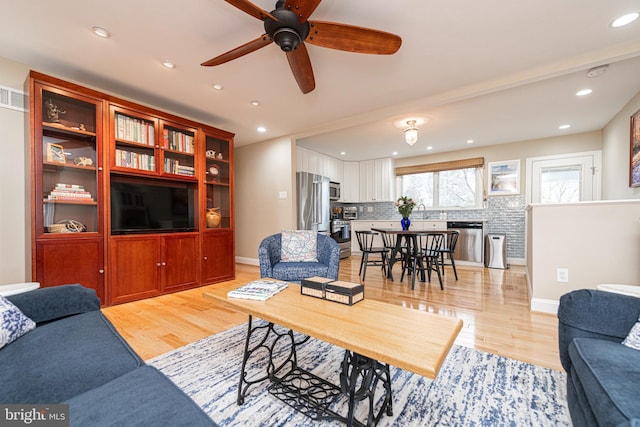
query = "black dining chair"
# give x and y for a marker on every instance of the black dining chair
(424, 257)
(365, 241)
(389, 241)
(449, 248)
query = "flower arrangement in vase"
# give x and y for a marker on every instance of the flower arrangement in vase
(405, 206)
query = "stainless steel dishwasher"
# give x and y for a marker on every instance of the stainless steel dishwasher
(470, 246)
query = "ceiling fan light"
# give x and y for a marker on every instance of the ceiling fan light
(286, 38)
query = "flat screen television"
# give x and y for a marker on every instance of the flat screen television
(138, 207)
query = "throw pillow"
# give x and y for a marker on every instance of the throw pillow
(633, 339)
(299, 246)
(14, 323)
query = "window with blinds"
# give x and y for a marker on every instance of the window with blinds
(446, 185)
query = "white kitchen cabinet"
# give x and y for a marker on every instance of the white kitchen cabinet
(335, 170)
(314, 162)
(433, 225)
(368, 225)
(350, 187)
(376, 180)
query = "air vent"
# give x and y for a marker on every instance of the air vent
(13, 99)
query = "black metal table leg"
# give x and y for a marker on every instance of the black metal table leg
(359, 380)
(268, 342)
(308, 393)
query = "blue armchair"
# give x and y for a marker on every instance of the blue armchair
(603, 376)
(270, 265)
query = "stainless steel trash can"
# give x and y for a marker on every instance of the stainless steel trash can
(495, 251)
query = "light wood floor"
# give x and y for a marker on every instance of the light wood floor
(494, 305)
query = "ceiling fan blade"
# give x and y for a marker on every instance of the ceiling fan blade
(250, 8)
(300, 64)
(302, 8)
(352, 39)
(246, 48)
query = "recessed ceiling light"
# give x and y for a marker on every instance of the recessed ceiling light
(261, 129)
(343, 153)
(168, 64)
(469, 141)
(255, 103)
(395, 153)
(429, 148)
(101, 32)
(218, 86)
(562, 127)
(583, 92)
(625, 20)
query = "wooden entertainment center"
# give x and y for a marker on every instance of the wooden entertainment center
(125, 199)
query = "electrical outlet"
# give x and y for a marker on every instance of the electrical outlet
(562, 274)
(369, 208)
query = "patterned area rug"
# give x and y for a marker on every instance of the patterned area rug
(473, 388)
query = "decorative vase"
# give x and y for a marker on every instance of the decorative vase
(405, 222)
(213, 217)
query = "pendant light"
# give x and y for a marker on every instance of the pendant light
(411, 133)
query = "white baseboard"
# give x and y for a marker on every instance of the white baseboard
(250, 261)
(517, 261)
(544, 305)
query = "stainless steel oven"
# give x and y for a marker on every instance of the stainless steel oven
(341, 233)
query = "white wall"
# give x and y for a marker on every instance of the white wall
(615, 156)
(15, 247)
(598, 242)
(263, 170)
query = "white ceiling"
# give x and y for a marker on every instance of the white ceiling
(494, 71)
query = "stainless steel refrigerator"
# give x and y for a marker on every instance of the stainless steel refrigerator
(313, 202)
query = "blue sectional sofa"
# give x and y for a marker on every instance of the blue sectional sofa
(603, 383)
(76, 357)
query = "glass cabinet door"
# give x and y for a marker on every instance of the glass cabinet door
(218, 183)
(178, 150)
(68, 184)
(135, 141)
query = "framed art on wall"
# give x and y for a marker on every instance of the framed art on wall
(634, 156)
(504, 177)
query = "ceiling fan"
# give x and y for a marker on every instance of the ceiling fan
(288, 26)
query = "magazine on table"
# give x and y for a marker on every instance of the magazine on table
(261, 289)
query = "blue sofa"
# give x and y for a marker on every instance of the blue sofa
(75, 356)
(270, 265)
(603, 376)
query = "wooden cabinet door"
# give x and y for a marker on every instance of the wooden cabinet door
(218, 256)
(71, 261)
(135, 266)
(180, 262)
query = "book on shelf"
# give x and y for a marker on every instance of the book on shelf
(129, 159)
(136, 130)
(260, 290)
(174, 167)
(69, 192)
(178, 141)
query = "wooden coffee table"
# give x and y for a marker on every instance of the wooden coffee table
(371, 332)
